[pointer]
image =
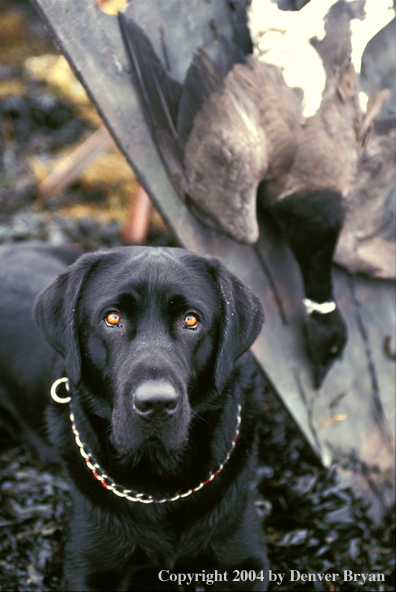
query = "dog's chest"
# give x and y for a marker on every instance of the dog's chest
(165, 537)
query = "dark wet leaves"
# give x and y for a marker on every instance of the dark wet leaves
(312, 524)
(316, 526)
(33, 513)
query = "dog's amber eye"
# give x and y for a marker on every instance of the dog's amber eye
(191, 321)
(113, 319)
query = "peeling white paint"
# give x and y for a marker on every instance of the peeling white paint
(282, 38)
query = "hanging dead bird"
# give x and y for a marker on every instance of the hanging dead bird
(338, 130)
(247, 123)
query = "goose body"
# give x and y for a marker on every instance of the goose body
(243, 132)
(343, 136)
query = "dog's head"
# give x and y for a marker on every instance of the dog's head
(144, 333)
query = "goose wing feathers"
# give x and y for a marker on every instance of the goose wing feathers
(161, 96)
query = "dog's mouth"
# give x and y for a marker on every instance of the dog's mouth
(153, 456)
(154, 442)
(150, 441)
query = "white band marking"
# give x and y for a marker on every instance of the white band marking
(322, 307)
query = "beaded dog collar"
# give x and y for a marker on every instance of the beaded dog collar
(108, 482)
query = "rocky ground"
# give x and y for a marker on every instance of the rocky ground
(312, 524)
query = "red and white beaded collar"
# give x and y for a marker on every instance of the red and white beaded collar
(108, 482)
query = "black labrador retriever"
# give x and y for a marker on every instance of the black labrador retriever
(156, 399)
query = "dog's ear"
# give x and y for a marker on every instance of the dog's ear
(55, 313)
(241, 320)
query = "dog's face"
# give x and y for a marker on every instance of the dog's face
(149, 333)
(146, 331)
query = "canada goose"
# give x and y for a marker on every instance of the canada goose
(246, 124)
(329, 79)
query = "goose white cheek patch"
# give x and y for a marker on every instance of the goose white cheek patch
(321, 307)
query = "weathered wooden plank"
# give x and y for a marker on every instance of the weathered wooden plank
(344, 418)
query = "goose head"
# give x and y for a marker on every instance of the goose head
(326, 336)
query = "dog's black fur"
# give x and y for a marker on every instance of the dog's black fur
(155, 400)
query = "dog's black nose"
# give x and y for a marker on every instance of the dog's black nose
(155, 400)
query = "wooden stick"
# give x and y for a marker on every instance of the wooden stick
(136, 227)
(70, 167)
